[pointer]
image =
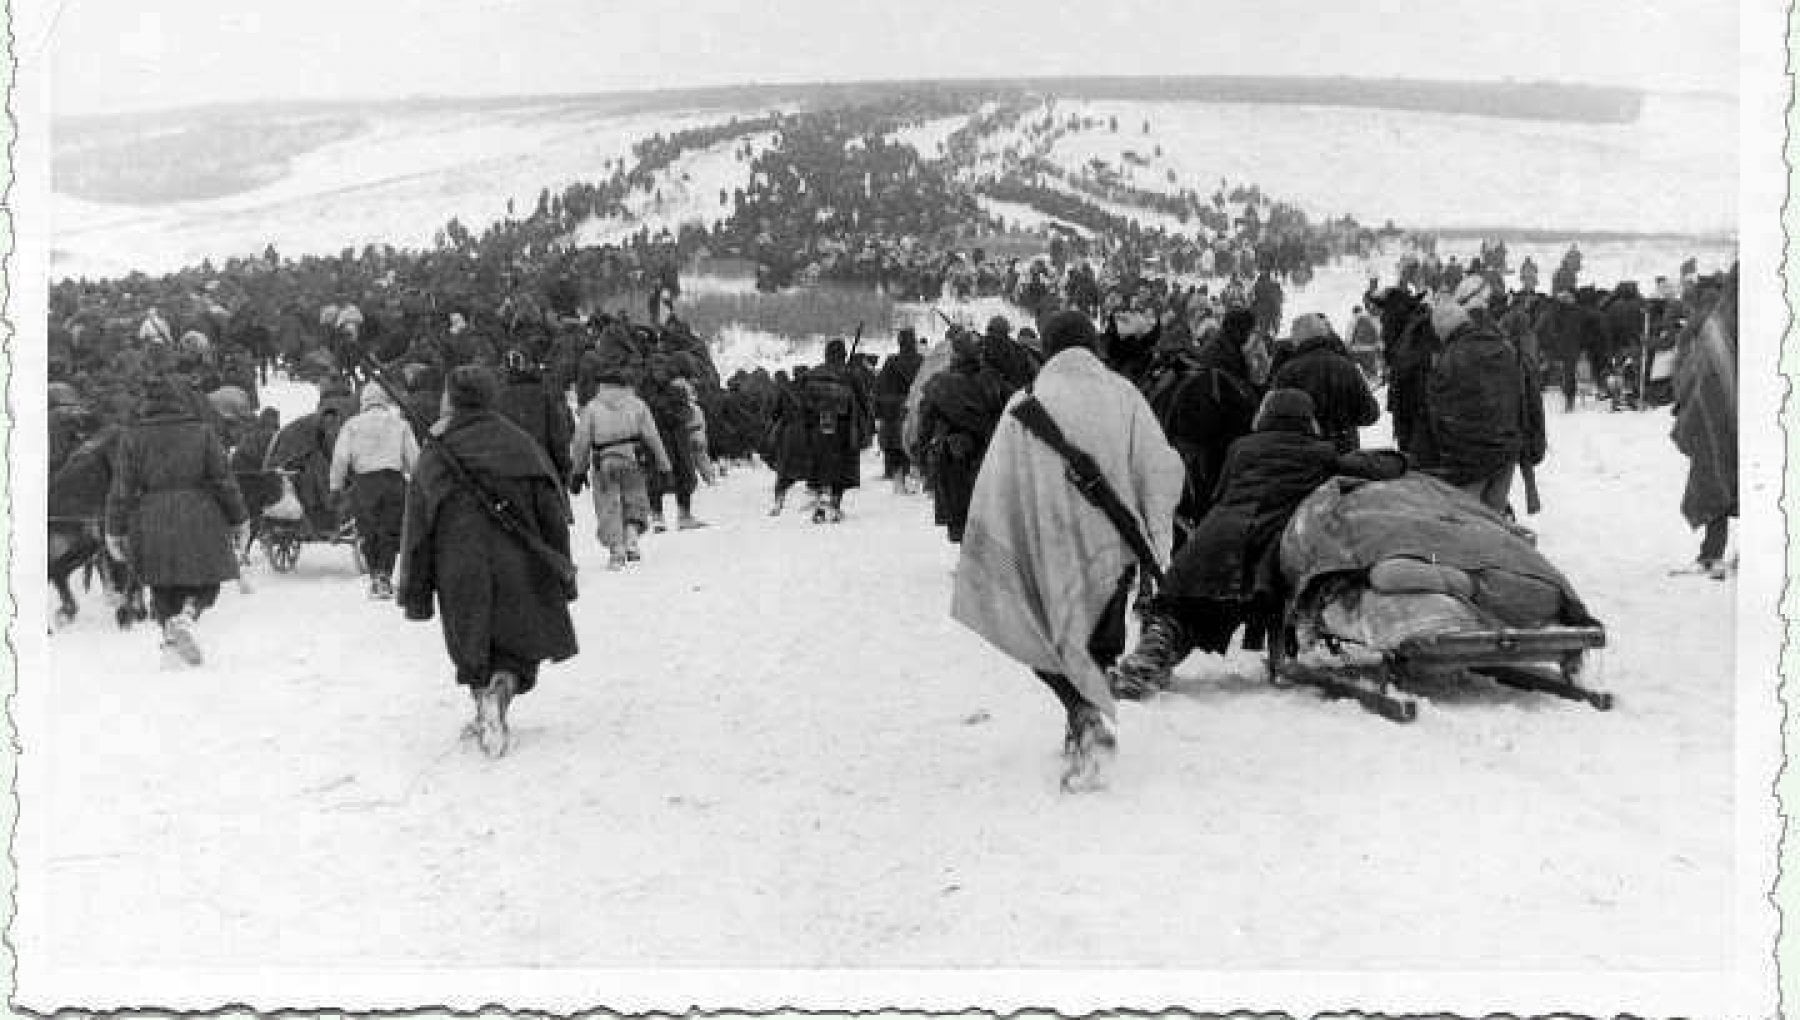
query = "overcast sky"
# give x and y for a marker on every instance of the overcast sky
(114, 55)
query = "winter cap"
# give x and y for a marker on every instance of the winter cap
(998, 326)
(909, 340)
(1067, 329)
(374, 396)
(1311, 326)
(471, 388)
(1285, 410)
(836, 353)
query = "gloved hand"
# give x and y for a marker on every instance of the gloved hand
(577, 482)
(117, 548)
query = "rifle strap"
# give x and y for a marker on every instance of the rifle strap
(1085, 474)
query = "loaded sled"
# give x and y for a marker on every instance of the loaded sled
(282, 523)
(1407, 584)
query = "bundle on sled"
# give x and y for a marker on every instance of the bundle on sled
(1402, 583)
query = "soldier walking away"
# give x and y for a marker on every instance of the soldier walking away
(838, 426)
(892, 384)
(374, 455)
(616, 441)
(1046, 569)
(503, 592)
(171, 512)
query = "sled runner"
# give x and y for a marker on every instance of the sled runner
(1408, 583)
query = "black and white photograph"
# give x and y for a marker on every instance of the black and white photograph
(1244, 505)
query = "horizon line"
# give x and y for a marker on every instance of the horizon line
(968, 81)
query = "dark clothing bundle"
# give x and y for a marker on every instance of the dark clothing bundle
(670, 409)
(1203, 411)
(892, 384)
(1011, 361)
(1232, 553)
(502, 607)
(1342, 402)
(787, 449)
(542, 412)
(1484, 410)
(957, 414)
(304, 447)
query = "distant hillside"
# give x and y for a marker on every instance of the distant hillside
(188, 159)
(1510, 100)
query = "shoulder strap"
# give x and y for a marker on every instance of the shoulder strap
(1087, 478)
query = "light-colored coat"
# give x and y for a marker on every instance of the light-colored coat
(376, 439)
(1039, 562)
(615, 415)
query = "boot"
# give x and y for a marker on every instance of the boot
(1089, 750)
(179, 632)
(688, 522)
(492, 702)
(656, 522)
(615, 560)
(1150, 667)
(632, 531)
(780, 501)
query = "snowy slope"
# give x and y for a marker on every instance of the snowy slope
(776, 749)
(687, 191)
(397, 183)
(1665, 172)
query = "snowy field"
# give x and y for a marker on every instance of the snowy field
(405, 177)
(777, 749)
(1672, 170)
(397, 183)
(686, 192)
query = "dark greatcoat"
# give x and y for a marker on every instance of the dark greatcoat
(497, 598)
(542, 412)
(957, 414)
(892, 384)
(1341, 399)
(670, 410)
(174, 498)
(790, 452)
(1484, 409)
(836, 428)
(1208, 409)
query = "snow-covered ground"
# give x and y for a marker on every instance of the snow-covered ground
(925, 137)
(1024, 217)
(687, 191)
(397, 183)
(1673, 170)
(777, 749)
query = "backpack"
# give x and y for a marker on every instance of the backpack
(828, 401)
